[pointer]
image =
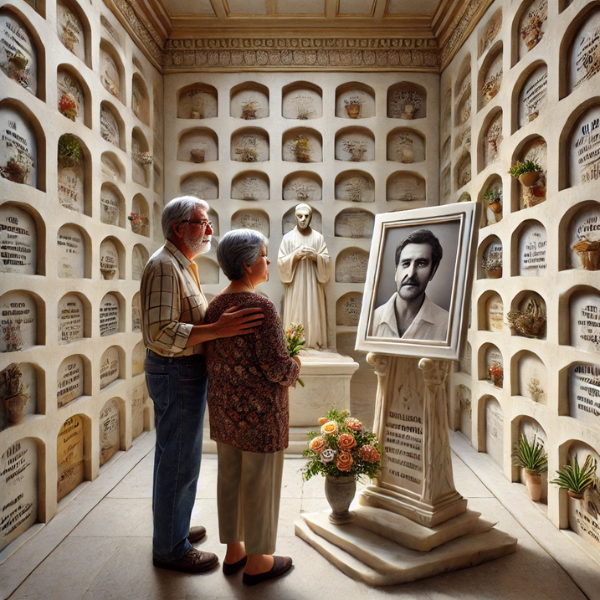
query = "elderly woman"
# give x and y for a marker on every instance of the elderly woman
(249, 376)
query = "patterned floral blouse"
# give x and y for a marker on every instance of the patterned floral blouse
(248, 405)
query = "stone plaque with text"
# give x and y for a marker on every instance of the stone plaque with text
(200, 185)
(533, 246)
(70, 378)
(70, 453)
(70, 30)
(18, 57)
(348, 309)
(70, 319)
(406, 187)
(71, 253)
(302, 188)
(71, 187)
(110, 206)
(250, 186)
(109, 431)
(354, 224)
(109, 127)
(494, 430)
(109, 315)
(109, 74)
(18, 241)
(109, 367)
(585, 51)
(250, 146)
(354, 186)
(139, 257)
(584, 237)
(257, 220)
(584, 163)
(584, 393)
(18, 323)
(109, 260)
(68, 84)
(585, 321)
(197, 104)
(351, 266)
(495, 313)
(18, 148)
(533, 96)
(303, 104)
(136, 313)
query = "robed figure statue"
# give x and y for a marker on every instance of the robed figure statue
(304, 268)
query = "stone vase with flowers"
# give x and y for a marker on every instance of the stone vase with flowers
(343, 450)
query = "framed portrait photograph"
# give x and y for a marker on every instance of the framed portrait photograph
(419, 279)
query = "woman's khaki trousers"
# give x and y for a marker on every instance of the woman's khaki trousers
(248, 492)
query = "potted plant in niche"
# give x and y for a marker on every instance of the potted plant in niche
(353, 104)
(342, 451)
(492, 265)
(527, 172)
(13, 390)
(301, 148)
(68, 106)
(70, 153)
(576, 479)
(588, 252)
(138, 222)
(496, 372)
(532, 458)
(493, 198)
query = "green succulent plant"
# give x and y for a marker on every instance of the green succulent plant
(530, 456)
(574, 478)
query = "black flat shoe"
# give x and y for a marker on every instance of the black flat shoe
(281, 565)
(233, 568)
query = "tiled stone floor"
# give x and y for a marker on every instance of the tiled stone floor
(98, 547)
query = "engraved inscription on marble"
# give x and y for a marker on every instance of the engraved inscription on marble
(70, 30)
(71, 186)
(110, 206)
(355, 186)
(18, 490)
(533, 96)
(248, 219)
(109, 260)
(18, 322)
(136, 313)
(348, 309)
(251, 185)
(70, 453)
(351, 266)
(584, 312)
(18, 148)
(200, 185)
(109, 74)
(585, 148)
(584, 240)
(70, 376)
(109, 127)
(18, 241)
(18, 56)
(302, 104)
(354, 224)
(494, 430)
(109, 431)
(71, 253)
(494, 313)
(533, 245)
(70, 319)
(139, 258)
(585, 51)
(109, 315)
(109, 366)
(490, 31)
(198, 103)
(110, 171)
(463, 171)
(405, 187)
(584, 393)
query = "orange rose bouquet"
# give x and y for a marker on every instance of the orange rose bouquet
(342, 448)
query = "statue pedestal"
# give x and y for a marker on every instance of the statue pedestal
(326, 376)
(411, 523)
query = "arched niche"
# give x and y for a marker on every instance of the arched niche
(250, 144)
(19, 384)
(491, 198)
(208, 270)
(73, 29)
(19, 163)
(73, 316)
(583, 382)
(531, 379)
(249, 101)
(462, 171)
(491, 312)
(355, 144)
(302, 145)
(73, 449)
(110, 30)
(137, 63)
(111, 366)
(530, 241)
(405, 146)
(491, 365)
(303, 186)
(534, 149)
(351, 266)
(406, 100)
(582, 250)
(462, 92)
(139, 258)
(528, 315)
(22, 239)
(158, 180)
(584, 319)
(140, 216)
(21, 55)
(583, 147)
(252, 219)
(354, 101)
(112, 205)
(446, 183)
(490, 258)
(138, 357)
(493, 419)
(73, 379)
(73, 247)
(136, 313)
(463, 138)
(533, 94)
(355, 186)
(531, 24)
(198, 145)
(405, 186)
(250, 185)
(463, 407)
(347, 309)
(112, 126)
(446, 150)
(466, 358)
(197, 101)
(139, 395)
(302, 100)
(582, 61)
(201, 185)
(533, 431)
(140, 102)
(74, 174)
(490, 75)
(490, 140)
(19, 487)
(112, 256)
(112, 168)
(72, 95)
(489, 32)
(111, 315)
(354, 223)
(112, 427)
(23, 321)
(141, 158)
(111, 70)
(289, 220)
(157, 232)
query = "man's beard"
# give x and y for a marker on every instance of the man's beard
(197, 245)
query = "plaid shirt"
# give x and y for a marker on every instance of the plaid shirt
(172, 302)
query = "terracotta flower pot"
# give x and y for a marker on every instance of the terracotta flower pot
(575, 495)
(340, 492)
(353, 110)
(528, 179)
(534, 485)
(13, 407)
(590, 260)
(496, 207)
(198, 155)
(494, 273)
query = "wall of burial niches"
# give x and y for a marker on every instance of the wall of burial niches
(536, 294)
(70, 258)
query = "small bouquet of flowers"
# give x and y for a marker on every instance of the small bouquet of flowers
(295, 340)
(342, 448)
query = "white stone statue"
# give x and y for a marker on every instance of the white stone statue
(304, 268)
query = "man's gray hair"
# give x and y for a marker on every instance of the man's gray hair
(237, 248)
(177, 210)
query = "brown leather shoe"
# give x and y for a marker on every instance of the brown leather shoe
(196, 534)
(281, 565)
(193, 562)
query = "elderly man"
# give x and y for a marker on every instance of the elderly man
(409, 313)
(172, 317)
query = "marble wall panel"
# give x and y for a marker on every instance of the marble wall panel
(18, 241)
(585, 52)
(493, 140)
(303, 186)
(70, 314)
(494, 430)
(71, 380)
(109, 315)
(200, 185)
(70, 29)
(302, 103)
(109, 126)
(489, 32)
(18, 55)
(208, 270)
(405, 187)
(139, 100)
(109, 431)
(71, 186)
(110, 206)
(70, 454)
(584, 237)
(109, 260)
(494, 313)
(198, 103)
(18, 323)
(110, 169)
(71, 253)
(348, 308)
(584, 311)
(139, 258)
(355, 186)
(110, 76)
(584, 149)
(251, 219)
(406, 101)
(354, 224)
(251, 185)
(584, 393)
(533, 246)
(109, 367)
(533, 96)
(492, 80)
(18, 148)
(351, 266)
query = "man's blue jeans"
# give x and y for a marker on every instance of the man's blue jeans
(178, 388)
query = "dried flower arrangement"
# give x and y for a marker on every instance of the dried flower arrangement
(17, 63)
(68, 106)
(13, 390)
(15, 171)
(301, 148)
(247, 154)
(532, 32)
(588, 252)
(144, 159)
(492, 265)
(249, 108)
(496, 372)
(492, 87)
(530, 322)
(533, 387)
(137, 222)
(355, 148)
(408, 101)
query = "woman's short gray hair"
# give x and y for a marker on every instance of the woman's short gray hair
(179, 209)
(238, 248)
